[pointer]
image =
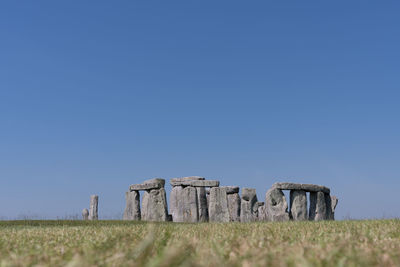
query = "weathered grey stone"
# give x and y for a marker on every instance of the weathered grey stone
(261, 211)
(218, 206)
(185, 179)
(132, 208)
(234, 207)
(93, 208)
(318, 209)
(298, 205)
(305, 187)
(196, 183)
(276, 207)
(202, 204)
(231, 189)
(184, 206)
(248, 205)
(328, 203)
(334, 202)
(154, 206)
(155, 183)
(85, 214)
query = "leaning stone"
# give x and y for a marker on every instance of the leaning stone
(132, 208)
(248, 206)
(218, 206)
(155, 183)
(93, 209)
(318, 210)
(85, 214)
(202, 204)
(184, 206)
(276, 207)
(196, 183)
(234, 207)
(298, 205)
(334, 202)
(305, 187)
(231, 189)
(154, 206)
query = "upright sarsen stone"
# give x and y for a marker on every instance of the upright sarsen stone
(248, 205)
(202, 204)
(154, 206)
(298, 205)
(132, 208)
(261, 211)
(276, 207)
(233, 203)
(93, 209)
(218, 206)
(318, 208)
(184, 207)
(85, 214)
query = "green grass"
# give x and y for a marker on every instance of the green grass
(119, 243)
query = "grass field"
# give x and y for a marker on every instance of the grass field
(119, 243)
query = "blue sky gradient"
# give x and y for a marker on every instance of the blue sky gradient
(98, 95)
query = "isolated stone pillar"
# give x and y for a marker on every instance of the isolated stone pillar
(218, 206)
(93, 209)
(132, 209)
(276, 207)
(233, 203)
(248, 205)
(85, 214)
(298, 205)
(318, 209)
(184, 206)
(202, 204)
(154, 206)
(334, 202)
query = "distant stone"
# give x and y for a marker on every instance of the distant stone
(276, 207)
(248, 205)
(334, 202)
(234, 207)
(185, 179)
(202, 204)
(218, 205)
(154, 206)
(85, 214)
(132, 208)
(231, 189)
(305, 187)
(318, 208)
(298, 205)
(183, 202)
(94, 206)
(196, 183)
(150, 184)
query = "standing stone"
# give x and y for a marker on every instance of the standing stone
(328, 203)
(234, 207)
(261, 211)
(334, 202)
(202, 204)
(85, 214)
(93, 209)
(298, 205)
(132, 209)
(318, 209)
(218, 206)
(154, 206)
(276, 207)
(184, 206)
(248, 206)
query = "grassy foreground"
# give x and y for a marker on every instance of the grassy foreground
(118, 243)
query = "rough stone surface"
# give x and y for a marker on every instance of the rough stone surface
(261, 211)
(318, 209)
(85, 214)
(185, 179)
(248, 205)
(218, 205)
(196, 183)
(93, 208)
(334, 202)
(276, 207)
(184, 206)
(298, 205)
(154, 206)
(234, 207)
(328, 203)
(150, 184)
(202, 204)
(231, 189)
(132, 208)
(305, 187)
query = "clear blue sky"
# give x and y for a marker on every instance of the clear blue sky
(95, 96)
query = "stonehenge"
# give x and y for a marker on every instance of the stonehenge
(194, 199)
